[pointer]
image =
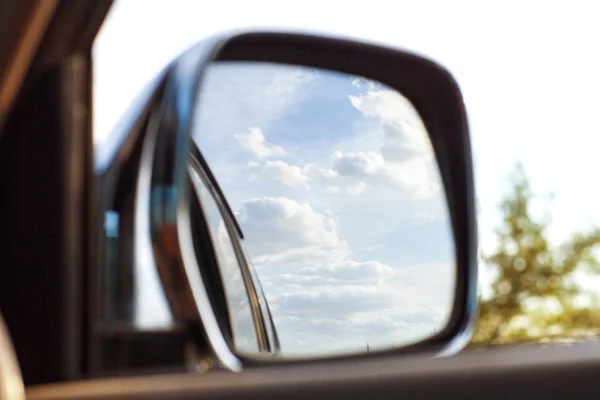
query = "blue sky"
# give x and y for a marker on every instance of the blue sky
(528, 72)
(346, 254)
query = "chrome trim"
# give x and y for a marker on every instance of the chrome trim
(166, 105)
(268, 319)
(170, 223)
(196, 165)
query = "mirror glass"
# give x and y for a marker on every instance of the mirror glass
(333, 181)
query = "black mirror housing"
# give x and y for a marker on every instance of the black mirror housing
(149, 160)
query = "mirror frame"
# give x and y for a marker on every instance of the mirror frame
(157, 131)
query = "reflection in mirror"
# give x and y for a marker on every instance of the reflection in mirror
(334, 183)
(238, 302)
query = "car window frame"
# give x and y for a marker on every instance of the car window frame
(235, 236)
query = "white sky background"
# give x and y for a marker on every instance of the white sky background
(528, 72)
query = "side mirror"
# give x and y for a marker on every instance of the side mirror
(172, 179)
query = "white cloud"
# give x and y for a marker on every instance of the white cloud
(339, 272)
(340, 301)
(404, 283)
(279, 228)
(333, 182)
(403, 162)
(254, 141)
(315, 283)
(353, 173)
(362, 165)
(289, 175)
(348, 303)
(237, 96)
(361, 82)
(348, 271)
(317, 289)
(320, 336)
(405, 135)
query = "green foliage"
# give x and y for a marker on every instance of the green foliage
(535, 297)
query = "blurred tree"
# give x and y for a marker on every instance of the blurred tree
(534, 296)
